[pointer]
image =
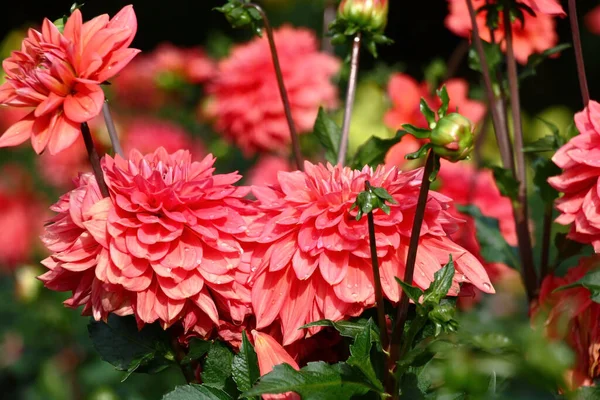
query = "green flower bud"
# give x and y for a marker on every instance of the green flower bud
(370, 15)
(452, 138)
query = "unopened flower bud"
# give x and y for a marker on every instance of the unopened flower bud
(452, 138)
(367, 14)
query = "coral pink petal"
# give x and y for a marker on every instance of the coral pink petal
(85, 103)
(268, 295)
(18, 133)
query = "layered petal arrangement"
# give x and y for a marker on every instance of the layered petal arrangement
(537, 34)
(571, 314)
(579, 158)
(58, 75)
(312, 260)
(167, 238)
(246, 104)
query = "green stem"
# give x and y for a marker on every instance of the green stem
(282, 90)
(350, 96)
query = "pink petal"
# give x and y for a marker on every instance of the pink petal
(268, 295)
(18, 133)
(85, 104)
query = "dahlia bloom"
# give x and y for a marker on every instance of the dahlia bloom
(266, 169)
(142, 82)
(312, 258)
(538, 33)
(571, 314)
(148, 134)
(20, 217)
(550, 7)
(592, 21)
(270, 353)
(59, 76)
(167, 238)
(246, 105)
(580, 204)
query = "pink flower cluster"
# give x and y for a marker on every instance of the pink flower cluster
(579, 159)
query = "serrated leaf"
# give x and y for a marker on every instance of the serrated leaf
(494, 248)
(120, 343)
(245, 366)
(442, 282)
(196, 392)
(329, 135)
(316, 381)
(349, 329)
(373, 151)
(414, 293)
(360, 355)
(427, 112)
(197, 349)
(506, 182)
(217, 367)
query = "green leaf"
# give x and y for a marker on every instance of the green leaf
(543, 169)
(428, 113)
(197, 349)
(442, 282)
(494, 248)
(419, 133)
(245, 366)
(349, 329)
(360, 355)
(373, 151)
(591, 281)
(445, 98)
(493, 56)
(217, 367)
(383, 195)
(414, 293)
(316, 381)
(543, 144)
(536, 59)
(120, 343)
(329, 134)
(196, 392)
(588, 393)
(506, 182)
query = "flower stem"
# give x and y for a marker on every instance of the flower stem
(112, 131)
(350, 95)
(94, 158)
(179, 356)
(282, 90)
(495, 104)
(521, 209)
(329, 14)
(377, 277)
(411, 259)
(583, 85)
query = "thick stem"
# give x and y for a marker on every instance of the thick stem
(94, 158)
(500, 130)
(546, 236)
(112, 130)
(377, 278)
(521, 211)
(180, 354)
(350, 95)
(282, 90)
(583, 85)
(411, 260)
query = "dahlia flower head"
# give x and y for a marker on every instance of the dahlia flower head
(165, 246)
(536, 35)
(570, 314)
(579, 205)
(246, 105)
(312, 260)
(58, 75)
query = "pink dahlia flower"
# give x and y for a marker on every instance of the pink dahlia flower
(148, 134)
(312, 259)
(21, 217)
(59, 76)
(265, 171)
(549, 7)
(538, 33)
(572, 315)
(579, 158)
(246, 104)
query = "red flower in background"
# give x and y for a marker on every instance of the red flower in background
(21, 215)
(143, 82)
(592, 21)
(148, 134)
(572, 315)
(312, 259)
(246, 105)
(266, 169)
(59, 75)
(538, 33)
(549, 7)
(580, 161)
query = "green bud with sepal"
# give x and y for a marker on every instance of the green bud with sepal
(370, 15)
(452, 138)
